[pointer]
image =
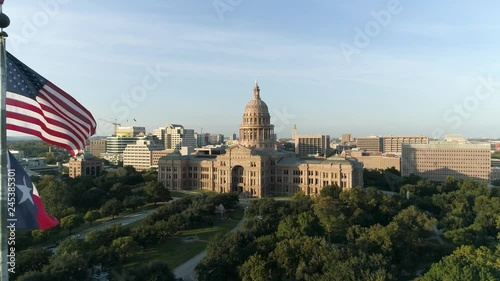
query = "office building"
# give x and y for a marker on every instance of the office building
(128, 132)
(370, 144)
(312, 145)
(253, 168)
(347, 139)
(140, 154)
(376, 161)
(160, 133)
(97, 147)
(176, 137)
(392, 144)
(439, 160)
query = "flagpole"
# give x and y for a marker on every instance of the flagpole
(4, 22)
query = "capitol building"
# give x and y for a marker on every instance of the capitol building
(254, 168)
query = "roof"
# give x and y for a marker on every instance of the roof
(318, 161)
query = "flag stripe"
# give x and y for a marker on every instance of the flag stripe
(30, 107)
(51, 134)
(48, 104)
(38, 132)
(38, 107)
(71, 100)
(73, 110)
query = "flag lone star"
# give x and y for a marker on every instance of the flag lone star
(26, 192)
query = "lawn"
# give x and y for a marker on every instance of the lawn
(207, 233)
(175, 251)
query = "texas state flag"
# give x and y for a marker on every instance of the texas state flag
(27, 212)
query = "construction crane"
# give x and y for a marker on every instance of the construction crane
(114, 123)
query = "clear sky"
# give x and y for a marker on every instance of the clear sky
(331, 67)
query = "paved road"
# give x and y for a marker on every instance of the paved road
(186, 270)
(123, 221)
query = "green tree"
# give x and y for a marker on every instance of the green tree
(156, 192)
(301, 258)
(34, 276)
(92, 216)
(224, 254)
(145, 236)
(57, 199)
(112, 208)
(332, 191)
(33, 259)
(331, 217)
(73, 245)
(155, 270)
(40, 235)
(466, 263)
(133, 202)
(71, 222)
(67, 267)
(124, 247)
(256, 268)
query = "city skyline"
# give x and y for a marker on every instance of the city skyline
(420, 71)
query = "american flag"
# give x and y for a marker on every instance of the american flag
(37, 107)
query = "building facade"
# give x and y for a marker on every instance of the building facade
(140, 154)
(393, 144)
(130, 132)
(160, 133)
(253, 168)
(85, 165)
(97, 147)
(312, 145)
(347, 139)
(437, 161)
(176, 137)
(370, 144)
(379, 162)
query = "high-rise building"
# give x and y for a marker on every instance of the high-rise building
(392, 144)
(128, 132)
(176, 137)
(97, 147)
(216, 139)
(312, 145)
(160, 133)
(347, 139)
(139, 155)
(370, 144)
(439, 160)
(253, 168)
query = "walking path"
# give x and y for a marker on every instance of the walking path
(186, 270)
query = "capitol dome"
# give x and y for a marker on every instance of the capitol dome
(256, 129)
